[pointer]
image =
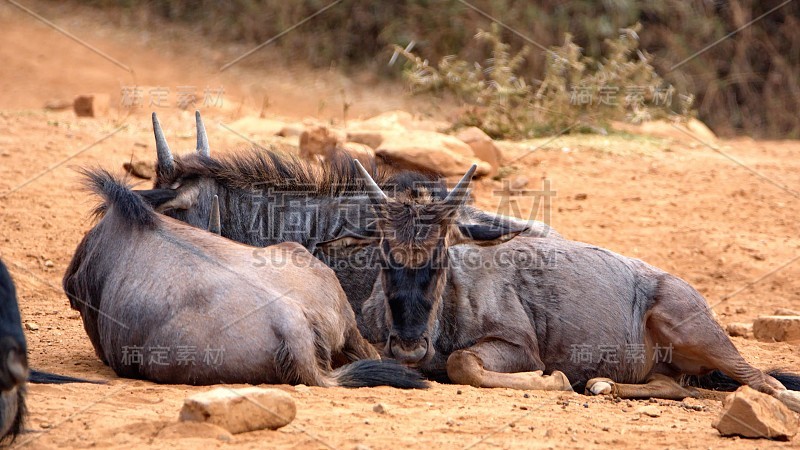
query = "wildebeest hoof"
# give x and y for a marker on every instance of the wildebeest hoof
(600, 386)
(790, 399)
(559, 379)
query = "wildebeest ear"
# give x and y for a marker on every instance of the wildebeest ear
(346, 244)
(486, 235)
(157, 197)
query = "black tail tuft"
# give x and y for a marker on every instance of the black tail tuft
(372, 372)
(788, 379)
(39, 377)
(718, 381)
(131, 207)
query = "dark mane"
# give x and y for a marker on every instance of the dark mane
(257, 168)
(115, 193)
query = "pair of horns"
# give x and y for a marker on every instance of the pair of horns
(166, 162)
(456, 197)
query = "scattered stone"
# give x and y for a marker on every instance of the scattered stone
(182, 430)
(141, 169)
(458, 392)
(362, 447)
(740, 310)
(777, 328)
(519, 182)
(256, 126)
(318, 140)
(371, 138)
(740, 329)
(302, 388)
(581, 196)
(32, 326)
(240, 410)
(431, 151)
(290, 130)
(379, 408)
(786, 312)
(650, 410)
(482, 146)
(91, 105)
(48, 263)
(751, 414)
(45, 425)
(58, 105)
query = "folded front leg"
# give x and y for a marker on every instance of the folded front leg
(498, 364)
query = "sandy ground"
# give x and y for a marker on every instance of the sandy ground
(675, 203)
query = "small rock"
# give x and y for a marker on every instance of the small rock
(430, 151)
(48, 263)
(58, 105)
(240, 410)
(45, 425)
(141, 169)
(319, 140)
(482, 146)
(786, 312)
(458, 392)
(740, 329)
(650, 410)
(777, 328)
(302, 388)
(290, 130)
(362, 447)
(740, 310)
(751, 414)
(91, 105)
(379, 408)
(32, 326)
(519, 182)
(581, 196)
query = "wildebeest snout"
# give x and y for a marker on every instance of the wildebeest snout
(407, 351)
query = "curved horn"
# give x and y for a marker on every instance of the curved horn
(165, 161)
(458, 195)
(202, 138)
(214, 222)
(377, 194)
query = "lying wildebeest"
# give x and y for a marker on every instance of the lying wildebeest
(270, 198)
(13, 360)
(156, 294)
(503, 325)
(556, 307)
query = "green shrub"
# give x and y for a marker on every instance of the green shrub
(576, 92)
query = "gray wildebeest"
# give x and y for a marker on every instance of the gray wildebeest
(171, 303)
(605, 322)
(268, 198)
(13, 360)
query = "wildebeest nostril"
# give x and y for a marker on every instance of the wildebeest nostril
(407, 351)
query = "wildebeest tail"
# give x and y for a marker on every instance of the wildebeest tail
(117, 195)
(39, 377)
(718, 381)
(371, 373)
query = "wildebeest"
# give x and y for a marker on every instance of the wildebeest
(13, 360)
(167, 302)
(504, 325)
(268, 198)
